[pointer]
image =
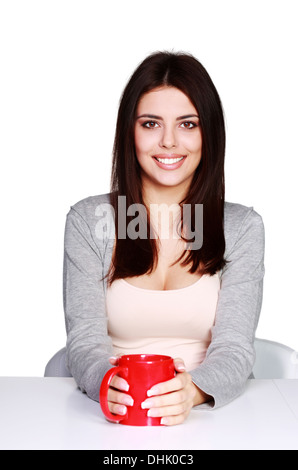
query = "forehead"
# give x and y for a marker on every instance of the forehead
(165, 100)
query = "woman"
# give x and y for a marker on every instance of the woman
(128, 288)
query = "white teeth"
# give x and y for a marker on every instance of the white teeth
(169, 161)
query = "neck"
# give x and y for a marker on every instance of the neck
(164, 208)
(166, 195)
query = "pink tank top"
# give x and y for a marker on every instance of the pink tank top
(174, 322)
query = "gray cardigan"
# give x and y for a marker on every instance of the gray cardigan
(88, 245)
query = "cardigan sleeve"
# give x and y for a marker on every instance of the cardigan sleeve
(230, 356)
(88, 346)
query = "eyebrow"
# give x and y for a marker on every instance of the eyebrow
(153, 116)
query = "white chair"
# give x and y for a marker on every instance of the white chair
(56, 367)
(274, 361)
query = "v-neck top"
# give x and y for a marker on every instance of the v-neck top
(174, 322)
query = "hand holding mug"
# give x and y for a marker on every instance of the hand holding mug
(167, 402)
(172, 400)
(118, 393)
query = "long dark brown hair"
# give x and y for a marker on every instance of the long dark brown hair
(182, 71)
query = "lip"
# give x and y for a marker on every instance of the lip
(167, 166)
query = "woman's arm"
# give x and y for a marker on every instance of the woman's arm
(88, 344)
(230, 356)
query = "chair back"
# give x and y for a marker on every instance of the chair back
(274, 360)
(56, 367)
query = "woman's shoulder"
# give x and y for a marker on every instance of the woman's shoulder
(90, 203)
(240, 220)
(235, 213)
(92, 207)
(97, 213)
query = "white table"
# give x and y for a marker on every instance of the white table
(51, 413)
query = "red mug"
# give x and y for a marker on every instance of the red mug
(141, 371)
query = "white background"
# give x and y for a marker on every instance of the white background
(63, 66)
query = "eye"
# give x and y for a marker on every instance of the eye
(188, 125)
(150, 124)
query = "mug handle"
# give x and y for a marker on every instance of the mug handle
(103, 394)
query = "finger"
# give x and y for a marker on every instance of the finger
(119, 383)
(183, 397)
(114, 359)
(172, 385)
(179, 364)
(174, 410)
(173, 420)
(117, 409)
(166, 400)
(118, 397)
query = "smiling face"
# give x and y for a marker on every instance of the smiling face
(168, 139)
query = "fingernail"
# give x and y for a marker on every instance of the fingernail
(129, 401)
(146, 404)
(124, 386)
(181, 367)
(151, 392)
(163, 421)
(122, 410)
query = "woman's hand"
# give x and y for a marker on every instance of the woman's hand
(117, 400)
(173, 400)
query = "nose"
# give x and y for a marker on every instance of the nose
(168, 138)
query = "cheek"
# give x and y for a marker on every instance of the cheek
(144, 141)
(139, 143)
(142, 148)
(194, 142)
